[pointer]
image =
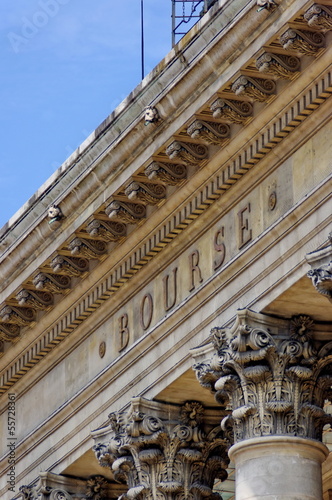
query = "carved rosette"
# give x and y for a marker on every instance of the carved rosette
(306, 42)
(9, 332)
(209, 132)
(129, 213)
(258, 89)
(319, 17)
(56, 283)
(106, 230)
(273, 374)
(232, 111)
(97, 488)
(283, 66)
(21, 316)
(37, 300)
(73, 266)
(151, 194)
(169, 173)
(190, 154)
(164, 456)
(90, 249)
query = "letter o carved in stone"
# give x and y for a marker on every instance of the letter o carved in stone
(146, 311)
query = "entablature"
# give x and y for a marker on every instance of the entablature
(169, 155)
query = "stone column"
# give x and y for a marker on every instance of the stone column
(164, 452)
(275, 376)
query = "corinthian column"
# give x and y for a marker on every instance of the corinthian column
(275, 376)
(164, 452)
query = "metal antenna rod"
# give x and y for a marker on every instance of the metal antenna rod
(142, 38)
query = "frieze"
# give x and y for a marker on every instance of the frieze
(273, 374)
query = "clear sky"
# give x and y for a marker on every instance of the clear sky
(65, 66)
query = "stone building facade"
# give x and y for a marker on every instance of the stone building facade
(165, 309)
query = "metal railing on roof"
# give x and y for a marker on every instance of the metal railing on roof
(186, 13)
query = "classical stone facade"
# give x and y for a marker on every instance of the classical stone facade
(191, 230)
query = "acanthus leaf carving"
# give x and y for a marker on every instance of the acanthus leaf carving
(22, 316)
(273, 376)
(73, 266)
(90, 249)
(9, 332)
(306, 42)
(106, 230)
(231, 110)
(258, 89)
(175, 453)
(189, 153)
(150, 194)
(319, 17)
(34, 299)
(169, 173)
(283, 66)
(130, 213)
(55, 283)
(209, 132)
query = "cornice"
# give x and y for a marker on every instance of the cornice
(74, 254)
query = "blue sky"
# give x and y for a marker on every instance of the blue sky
(66, 64)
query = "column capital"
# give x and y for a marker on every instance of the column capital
(164, 451)
(272, 372)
